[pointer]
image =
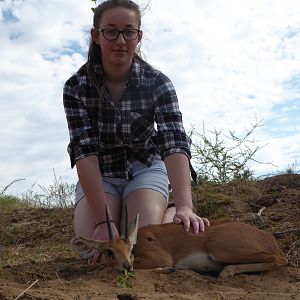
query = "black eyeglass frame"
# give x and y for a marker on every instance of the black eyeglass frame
(119, 32)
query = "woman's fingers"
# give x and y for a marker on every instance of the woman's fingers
(198, 224)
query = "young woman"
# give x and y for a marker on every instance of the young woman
(111, 106)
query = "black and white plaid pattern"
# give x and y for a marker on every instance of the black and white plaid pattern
(121, 134)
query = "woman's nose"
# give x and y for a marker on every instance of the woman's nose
(120, 39)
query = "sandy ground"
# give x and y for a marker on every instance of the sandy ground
(35, 255)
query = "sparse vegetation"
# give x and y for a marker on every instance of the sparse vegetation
(291, 169)
(123, 279)
(11, 202)
(7, 186)
(223, 158)
(58, 194)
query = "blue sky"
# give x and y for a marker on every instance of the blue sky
(231, 62)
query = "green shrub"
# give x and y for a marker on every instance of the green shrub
(224, 158)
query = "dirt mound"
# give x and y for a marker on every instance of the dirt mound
(35, 252)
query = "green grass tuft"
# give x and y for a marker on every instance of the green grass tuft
(11, 202)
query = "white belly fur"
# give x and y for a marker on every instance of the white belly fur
(199, 262)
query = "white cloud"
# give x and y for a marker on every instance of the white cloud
(229, 60)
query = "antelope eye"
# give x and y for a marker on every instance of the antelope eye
(150, 239)
(109, 253)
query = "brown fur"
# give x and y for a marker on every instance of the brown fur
(222, 244)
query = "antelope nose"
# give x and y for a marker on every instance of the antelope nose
(127, 266)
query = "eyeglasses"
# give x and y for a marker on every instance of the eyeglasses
(113, 34)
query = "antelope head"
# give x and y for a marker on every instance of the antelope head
(116, 253)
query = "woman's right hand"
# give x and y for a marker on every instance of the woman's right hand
(101, 234)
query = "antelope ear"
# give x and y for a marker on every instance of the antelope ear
(132, 230)
(86, 248)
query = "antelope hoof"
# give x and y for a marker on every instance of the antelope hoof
(226, 273)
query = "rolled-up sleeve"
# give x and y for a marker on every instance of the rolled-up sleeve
(83, 136)
(171, 137)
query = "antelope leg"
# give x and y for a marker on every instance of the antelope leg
(231, 270)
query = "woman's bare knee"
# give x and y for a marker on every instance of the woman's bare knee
(83, 216)
(149, 204)
(83, 219)
(168, 215)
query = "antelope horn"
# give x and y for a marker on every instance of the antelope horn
(108, 225)
(126, 222)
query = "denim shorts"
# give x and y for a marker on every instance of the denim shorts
(154, 177)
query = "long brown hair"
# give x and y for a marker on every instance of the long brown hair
(94, 53)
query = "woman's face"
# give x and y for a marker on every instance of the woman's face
(120, 51)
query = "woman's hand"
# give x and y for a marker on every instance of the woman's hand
(101, 234)
(185, 216)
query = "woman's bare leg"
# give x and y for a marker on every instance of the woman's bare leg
(150, 205)
(83, 216)
(168, 215)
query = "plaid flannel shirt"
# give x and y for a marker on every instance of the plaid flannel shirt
(120, 134)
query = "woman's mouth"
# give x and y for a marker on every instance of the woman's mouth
(120, 52)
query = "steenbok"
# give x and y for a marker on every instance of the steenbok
(225, 248)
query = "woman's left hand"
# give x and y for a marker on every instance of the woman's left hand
(185, 216)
